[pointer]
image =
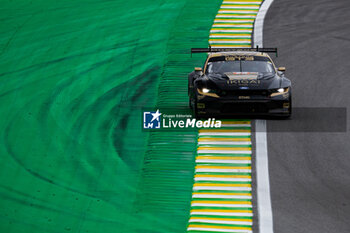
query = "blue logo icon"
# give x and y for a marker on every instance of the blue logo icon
(151, 120)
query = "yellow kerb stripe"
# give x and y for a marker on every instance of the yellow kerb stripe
(221, 185)
(229, 46)
(223, 219)
(225, 148)
(229, 24)
(222, 202)
(224, 131)
(231, 34)
(232, 29)
(219, 227)
(236, 5)
(235, 122)
(244, 1)
(236, 19)
(250, 15)
(224, 139)
(223, 176)
(222, 211)
(225, 194)
(239, 39)
(222, 167)
(236, 10)
(223, 157)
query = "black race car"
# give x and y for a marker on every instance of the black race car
(239, 82)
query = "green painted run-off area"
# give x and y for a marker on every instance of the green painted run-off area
(74, 76)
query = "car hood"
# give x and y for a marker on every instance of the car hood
(243, 80)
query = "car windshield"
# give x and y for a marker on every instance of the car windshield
(222, 67)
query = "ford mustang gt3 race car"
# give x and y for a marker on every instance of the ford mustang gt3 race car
(239, 82)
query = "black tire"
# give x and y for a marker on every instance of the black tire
(191, 102)
(195, 109)
(290, 105)
(289, 115)
(190, 83)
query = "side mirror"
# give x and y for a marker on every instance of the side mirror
(198, 69)
(282, 69)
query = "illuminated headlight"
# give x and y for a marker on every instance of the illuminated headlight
(205, 90)
(280, 91)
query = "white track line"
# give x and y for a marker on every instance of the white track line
(262, 167)
(263, 183)
(259, 23)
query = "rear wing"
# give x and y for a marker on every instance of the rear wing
(216, 50)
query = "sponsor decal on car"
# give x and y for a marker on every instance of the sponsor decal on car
(243, 82)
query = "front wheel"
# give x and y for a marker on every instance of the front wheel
(290, 107)
(289, 114)
(194, 108)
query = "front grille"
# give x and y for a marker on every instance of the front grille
(246, 93)
(244, 108)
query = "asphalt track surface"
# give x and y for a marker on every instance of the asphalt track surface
(309, 169)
